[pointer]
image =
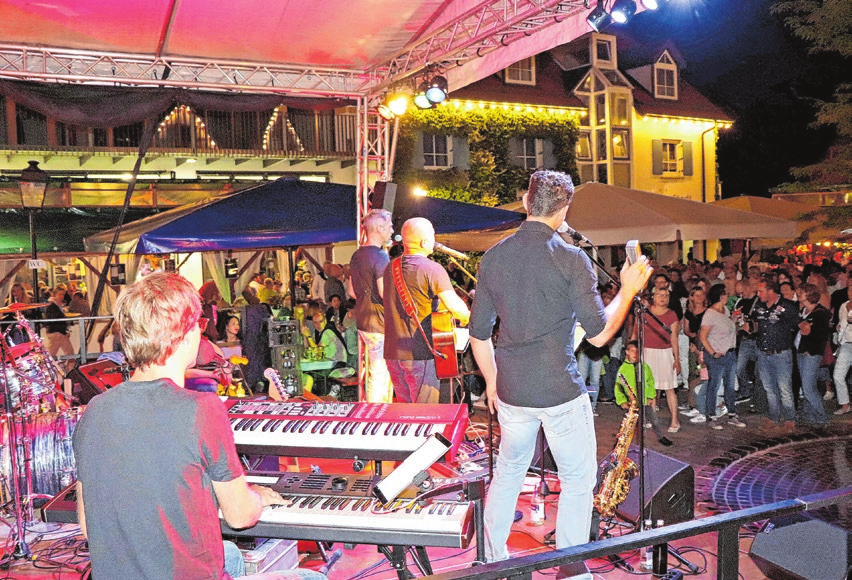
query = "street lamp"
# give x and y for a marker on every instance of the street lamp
(33, 186)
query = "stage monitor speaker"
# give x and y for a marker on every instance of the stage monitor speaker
(669, 490)
(802, 548)
(92, 379)
(383, 196)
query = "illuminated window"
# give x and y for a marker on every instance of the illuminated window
(437, 151)
(522, 72)
(584, 146)
(665, 77)
(619, 114)
(671, 158)
(620, 144)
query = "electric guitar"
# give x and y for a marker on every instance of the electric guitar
(444, 345)
(280, 393)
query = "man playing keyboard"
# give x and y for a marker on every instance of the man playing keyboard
(156, 462)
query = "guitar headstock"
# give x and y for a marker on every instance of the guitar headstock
(280, 393)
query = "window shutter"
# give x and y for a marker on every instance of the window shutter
(417, 155)
(461, 154)
(687, 158)
(657, 157)
(548, 157)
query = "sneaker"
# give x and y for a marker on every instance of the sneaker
(648, 425)
(743, 398)
(829, 395)
(721, 412)
(716, 424)
(684, 407)
(698, 418)
(735, 421)
(691, 413)
(665, 442)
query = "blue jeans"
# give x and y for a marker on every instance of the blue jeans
(414, 381)
(812, 408)
(841, 369)
(590, 370)
(776, 374)
(377, 384)
(570, 432)
(747, 352)
(721, 369)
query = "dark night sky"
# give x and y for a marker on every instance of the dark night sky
(741, 57)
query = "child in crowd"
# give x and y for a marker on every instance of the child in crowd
(627, 380)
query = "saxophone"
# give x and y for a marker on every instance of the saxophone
(618, 469)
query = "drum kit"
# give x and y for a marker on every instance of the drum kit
(36, 458)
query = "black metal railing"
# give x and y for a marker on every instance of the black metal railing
(727, 525)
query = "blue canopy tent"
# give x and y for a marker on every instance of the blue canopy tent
(282, 213)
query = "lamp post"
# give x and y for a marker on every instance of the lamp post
(33, 185)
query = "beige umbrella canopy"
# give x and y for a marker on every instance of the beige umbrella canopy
(780, 208)
(610, 215)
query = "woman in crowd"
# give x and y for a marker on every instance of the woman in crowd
(229, 328)
(814, 332)
(661, 350)
(209, 300)
(718, 336)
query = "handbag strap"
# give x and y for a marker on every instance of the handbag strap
(408, 303)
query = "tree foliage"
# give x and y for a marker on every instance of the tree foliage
(826, 25)
(492, 178)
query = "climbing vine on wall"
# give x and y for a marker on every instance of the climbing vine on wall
(492, 179)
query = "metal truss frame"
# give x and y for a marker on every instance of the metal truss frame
(491, 24)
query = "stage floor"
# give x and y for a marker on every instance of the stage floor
(734, 468)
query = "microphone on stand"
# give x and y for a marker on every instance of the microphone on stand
(566, 230)
(451, 252)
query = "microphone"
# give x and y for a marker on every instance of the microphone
(451, 252)
(566, 230)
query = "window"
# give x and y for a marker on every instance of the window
(32, 126)
(665, 77)
(603, 50)
(522, 72)
(671, 158)
(600, 109)
(437, 151)
(619, 112)
(620, 144)
(531, 153)
(600, 137)
(584, 146)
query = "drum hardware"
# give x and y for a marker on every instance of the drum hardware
(30, 377)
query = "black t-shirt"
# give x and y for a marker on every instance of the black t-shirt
(367, 265)
(425, 279)
(147, 454)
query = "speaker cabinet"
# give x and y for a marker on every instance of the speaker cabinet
(93, 379)
(669, 490)
(799, 547)
(383, 196)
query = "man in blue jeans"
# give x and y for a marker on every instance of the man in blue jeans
(777, 322)
(540, 287)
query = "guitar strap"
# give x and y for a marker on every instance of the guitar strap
(408, 303)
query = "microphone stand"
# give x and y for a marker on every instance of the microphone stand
(639, 310)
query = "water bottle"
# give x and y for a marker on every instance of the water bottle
(647, 552)
(537, 515)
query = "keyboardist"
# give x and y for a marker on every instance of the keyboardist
(156, 461)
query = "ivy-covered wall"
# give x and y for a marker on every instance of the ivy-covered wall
(492, 179)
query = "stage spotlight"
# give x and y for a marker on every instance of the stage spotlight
(650, 4)
(623, 10)
(384, 111)
(421, 101)
(437, 91)
(598, 19)
(398, 102)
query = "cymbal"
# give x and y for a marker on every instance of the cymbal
(20, 307)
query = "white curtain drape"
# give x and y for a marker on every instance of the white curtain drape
(7, 266)
(109, 296)
(242, 259)
(215, 262)
(283, 267)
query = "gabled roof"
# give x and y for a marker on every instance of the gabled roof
(689, 103)
(550, 88)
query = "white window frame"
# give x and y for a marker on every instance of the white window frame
(531, 159)
(521, 73)
(584, 141)
(430, 154)
(598, 43)
(665, 91)
(672, 158)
